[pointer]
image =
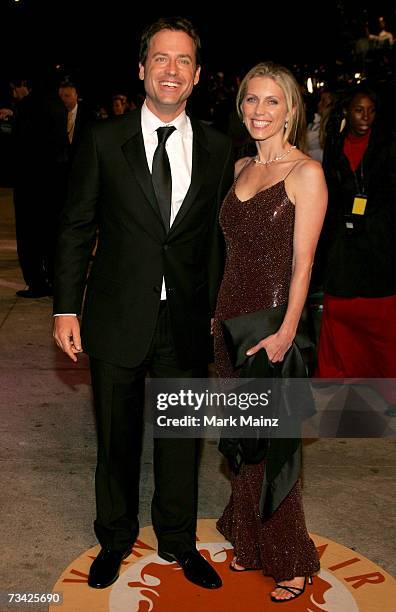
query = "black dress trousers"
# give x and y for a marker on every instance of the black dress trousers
(119, 402)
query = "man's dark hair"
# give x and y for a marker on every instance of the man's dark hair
(67, 83)
(177, 24)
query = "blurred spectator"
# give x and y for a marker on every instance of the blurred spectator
(316, 129)
(384, 36)
(122, 104)
(68, 122)
(119, 104)
(16, 92)
(363, 44)
(101, 112)
(29, 137)
(358, 334)
(19, 90)
(77, 116)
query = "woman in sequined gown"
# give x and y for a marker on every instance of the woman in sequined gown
(271, 220)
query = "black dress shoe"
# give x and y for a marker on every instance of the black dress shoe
(195, 568)
(34, 292)
(106, 568)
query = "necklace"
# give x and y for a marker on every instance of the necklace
(275, 159)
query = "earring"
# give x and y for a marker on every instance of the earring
(286, 124)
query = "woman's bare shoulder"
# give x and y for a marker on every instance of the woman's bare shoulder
(307, 163)
(307, 167)
(306, 179)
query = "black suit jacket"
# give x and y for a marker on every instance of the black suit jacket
(83, 117)
(67, 150)
(111, 189)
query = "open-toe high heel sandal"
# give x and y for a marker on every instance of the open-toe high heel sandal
(295, 591)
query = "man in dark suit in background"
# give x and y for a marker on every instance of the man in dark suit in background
(76, 117)
(68, 119)
(151, 290)
(30, 151)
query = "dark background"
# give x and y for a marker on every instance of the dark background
(96, 43)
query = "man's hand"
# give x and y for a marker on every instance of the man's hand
(67, 335)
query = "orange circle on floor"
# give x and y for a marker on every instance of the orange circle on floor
(347, 582)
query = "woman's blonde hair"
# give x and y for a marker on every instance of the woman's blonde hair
(296, 126)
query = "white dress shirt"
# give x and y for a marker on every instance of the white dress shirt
(179, 147)
(71, 122)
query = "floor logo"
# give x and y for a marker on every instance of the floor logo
(348, 582)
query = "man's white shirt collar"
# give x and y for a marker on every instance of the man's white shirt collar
(150, 122)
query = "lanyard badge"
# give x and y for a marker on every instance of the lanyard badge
(359, 204)
(354, 220)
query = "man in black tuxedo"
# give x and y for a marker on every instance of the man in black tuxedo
(150, 292)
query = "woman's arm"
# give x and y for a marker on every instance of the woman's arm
(307, 188)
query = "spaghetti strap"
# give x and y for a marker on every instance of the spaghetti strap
(249, 159)
(297, 161)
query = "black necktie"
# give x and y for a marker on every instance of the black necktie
(161, 175)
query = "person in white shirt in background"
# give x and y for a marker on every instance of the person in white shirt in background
(383, 37)
(316, 130)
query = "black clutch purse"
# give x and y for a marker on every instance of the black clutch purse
(290, 400)
(244, 331)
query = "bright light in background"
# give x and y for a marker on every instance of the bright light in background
(309, 85)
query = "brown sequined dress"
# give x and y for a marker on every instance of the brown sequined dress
(259, 238)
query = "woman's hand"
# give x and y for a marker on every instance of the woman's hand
(275, 345)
